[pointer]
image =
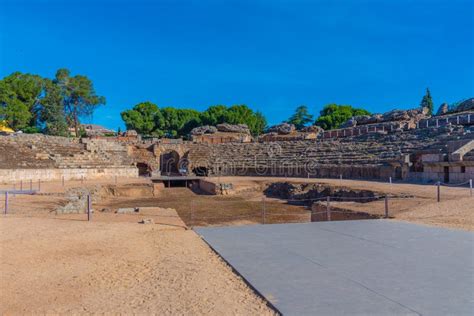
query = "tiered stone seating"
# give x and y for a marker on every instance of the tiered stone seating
(40, 151)
(365, 151)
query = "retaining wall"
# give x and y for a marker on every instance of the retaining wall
(11, 175)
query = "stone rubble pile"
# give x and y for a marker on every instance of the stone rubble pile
(413, 116)
(229, 128)
(312, 129)
(282, 129)
(205, 129)
(224, 128)
(308, 191)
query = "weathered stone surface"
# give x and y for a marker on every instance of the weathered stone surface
(312, 129)
(147, 221)
(306, 191)
(396, 115)
(349, 123)
(131, 132)
(443, 109)
(368, 119)
(77, 200)
(201, 130)
(465, 105)
(128, 210)
(282, 129)
(229, 128)
(392, 116)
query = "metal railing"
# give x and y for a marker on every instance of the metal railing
(9, 193)
(439, 184)
(270, 211)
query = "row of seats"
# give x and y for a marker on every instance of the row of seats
(40, 151)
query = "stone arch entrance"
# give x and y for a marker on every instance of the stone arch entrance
(169, 163)
(143, 169)
(201, 171)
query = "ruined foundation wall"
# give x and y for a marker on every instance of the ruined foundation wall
(436, 173)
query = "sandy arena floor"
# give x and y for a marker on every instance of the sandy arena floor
(67, 266)
(456, 209)
(53, 263)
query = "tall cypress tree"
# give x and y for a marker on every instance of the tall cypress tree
(301, 117)
(427, 102)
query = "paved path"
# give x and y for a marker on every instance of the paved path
(353, 267)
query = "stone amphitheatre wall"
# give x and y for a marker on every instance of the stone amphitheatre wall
(40, 157)
(16, 175)
(369, 156)
(373, 155)
(376, 155)
(465, 119)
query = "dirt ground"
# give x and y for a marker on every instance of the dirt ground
(71, 267)
(456, 209)
(60, 263)
(247, 204)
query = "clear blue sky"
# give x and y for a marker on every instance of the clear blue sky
(269, 54)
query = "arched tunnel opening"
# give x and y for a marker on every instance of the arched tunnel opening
(169, 162)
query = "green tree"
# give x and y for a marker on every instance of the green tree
(143, 118)
(79, 97)
(19, 95)
(242, 114)
(301, 117)
(214, 115)
(427, 102)
(176, 122)
(173, 122)
(333, 115)
(260, 123)
(52, 114)
(236, 114)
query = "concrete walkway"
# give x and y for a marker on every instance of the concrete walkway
(353, 267)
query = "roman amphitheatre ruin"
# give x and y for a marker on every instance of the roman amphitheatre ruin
(71, 241)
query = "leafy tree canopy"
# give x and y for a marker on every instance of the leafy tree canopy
(19, 94)
(32, 103)
(52, 115)
(333, 115)
(301, 117)
(79, 97)
(142, 118)
(173, 122)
